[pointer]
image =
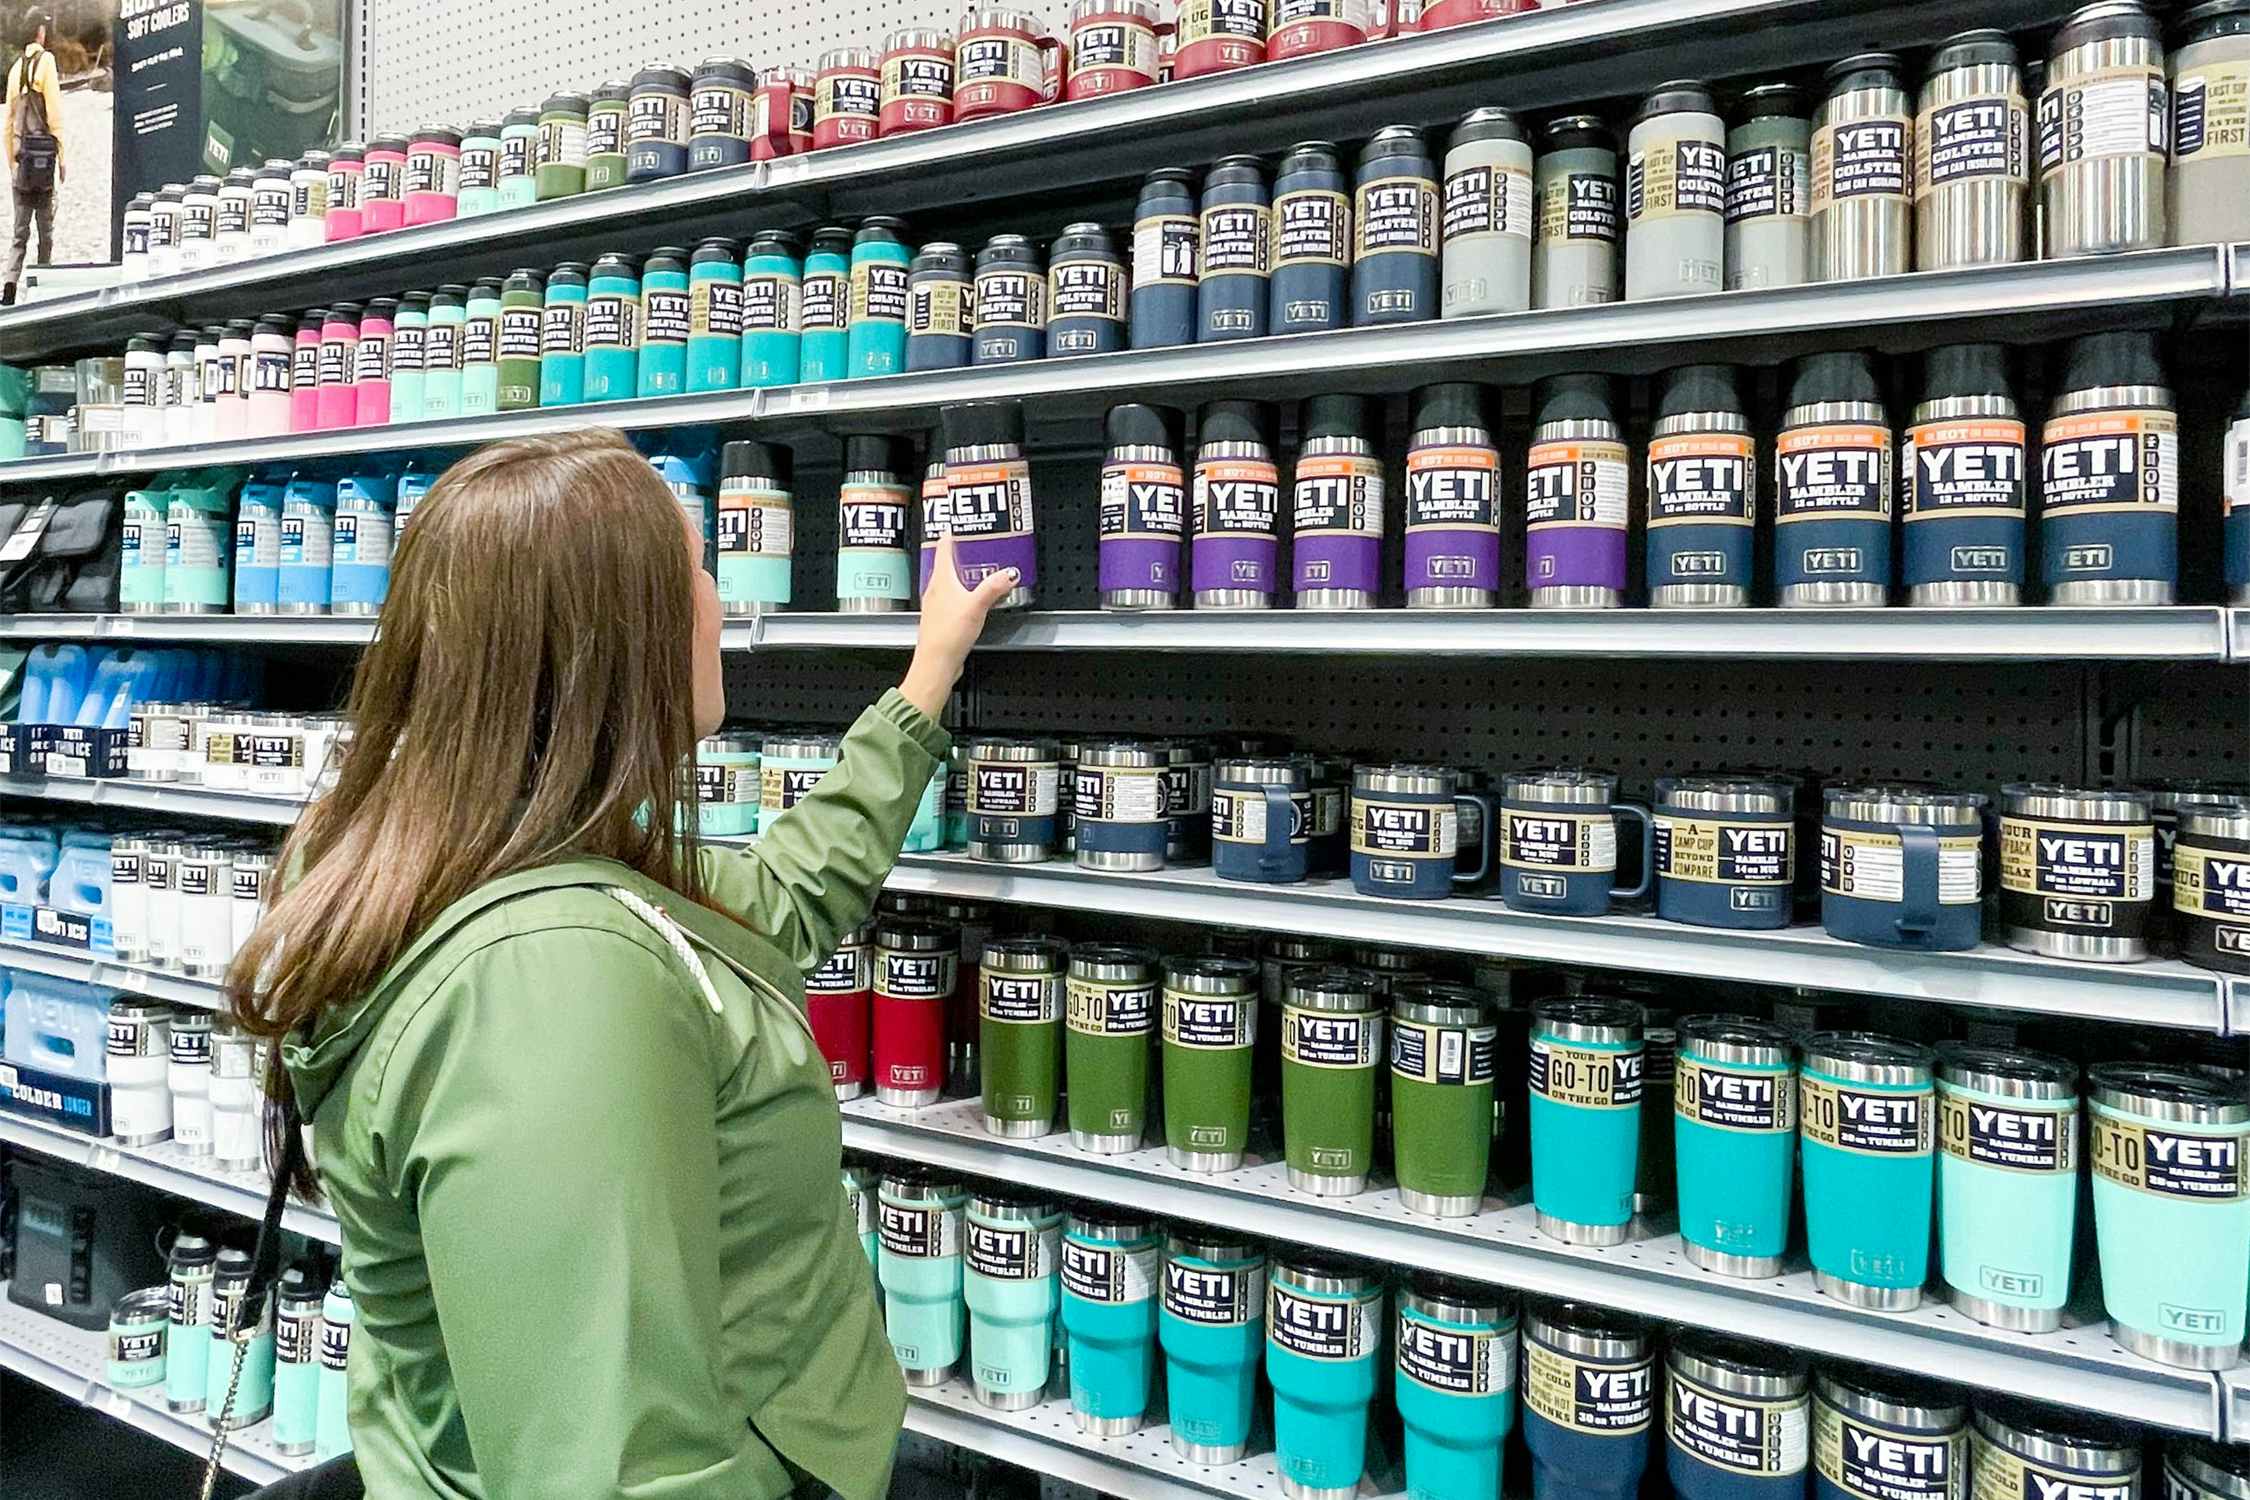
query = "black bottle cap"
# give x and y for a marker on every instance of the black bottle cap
(1134, 425)
(2112, 359)
(1311, 156)
(1574, 398)
(1337, 416)
(1773, 101)
(773, 242)
(876, 452)
(1235, 422)
(1394, 143)
(1981, 49)
(665, 258)
(715, 249)
(1698, 388)
(1845, 376)
(1490, 123)
(1865, 70)
(1452, 403)
(880, 229)
(1965, 370)
(1679, 96)
(1229, 171)
(746, 458)
(833, 239)
(981, 424)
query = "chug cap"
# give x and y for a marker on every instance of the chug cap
(1235, 422)
(1846, 376)
(1133, 425)
(1452, 403)
(982, 424)
(1574, 398)
(749, 459)
(1337, 416)
(1965, 370)
(2100, 359)
(1698, 388)
(878, 453)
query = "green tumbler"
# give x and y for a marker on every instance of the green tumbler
(1331, 1049)
(1111, 995)
(1444, 1062)
(1210, 1031)
(1019, 1033)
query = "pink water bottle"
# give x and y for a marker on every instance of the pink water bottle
(383, 190)
(234, 390)
(433, 176)
(347, 180)
(270, 376)
(371, 376)
(339, 364)
(304, 372)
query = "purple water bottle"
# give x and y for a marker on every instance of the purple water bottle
(1575, 500)
(988, 495)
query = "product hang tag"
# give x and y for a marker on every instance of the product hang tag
(25, 539)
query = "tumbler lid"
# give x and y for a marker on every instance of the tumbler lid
(1097, 1221)
(916, 1183)
(989, 1202)
(913, 935)
(2218, 1469)
(1582, 1329)
(1026, 955)
(2215, 817)
(2196, 1096)
(1725, 794)
(1431, 1003)
(1423, 781)
(2078, 1440)
(999, 747)
(1124, 754)
(1213, 1245)
(1293, 771)
(1572, 784)
(1865, 1057)
(1890, 1399)
(1738, 1367)
(1114, 962)
(1881, 803)
(1320, 1272)
(2015, 1072)
(1456, 1301)
(2048, 799)
(1589, 1020)
(1207, 974)
(1740, 1040)
(1335, 987)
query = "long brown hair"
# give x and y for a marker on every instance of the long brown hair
(529, 697)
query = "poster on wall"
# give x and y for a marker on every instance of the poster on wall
(80, 39)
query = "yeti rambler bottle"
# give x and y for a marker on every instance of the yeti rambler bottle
(1395, 227)
(1961, 475)
(1455, 1385)
(1337, 500)
(1112, 1266)
(1737, 1419)
(988, 496)
(1485, 265)
(2007, 1182)
(2109, 476)
(1020, 1011)
(1012, 1254)
(1702, 493)
(1111, 995)
(1832, 487)
(919, 1224)
(1586, 1060)
(1312, 242)
(1868, 1138)
(1210, 1028)
(1324, 1341)
(1212, 1327)
(1589, 1397)
(1452, 500)
(1331, 1052)
(1143, 508)
(1734, 1135)
(1575, 510)
(1234, 507)
(873, 568)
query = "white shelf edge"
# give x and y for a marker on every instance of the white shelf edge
(2079, 1367)
(156, 796)
(227, 630)
(61, 963)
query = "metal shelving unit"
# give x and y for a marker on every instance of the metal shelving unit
(166, 1167)
(73, 1360)
(155, 796)
(2078, 1366)
(209, 630)
(62, 963)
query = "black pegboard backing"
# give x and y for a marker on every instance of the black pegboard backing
(2192, 721)
(824, 689)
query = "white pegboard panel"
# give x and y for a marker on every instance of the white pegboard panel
(504, 53)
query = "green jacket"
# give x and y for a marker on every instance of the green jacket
(592, 1218)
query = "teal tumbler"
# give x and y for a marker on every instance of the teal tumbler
(1455, 1386)
(1585, 1069)
(918, 1260)
(1324, 1339)
(1211, 1327)
(2007, 1183)
(1110, 1269)
(1014, 1250)
(1867, 1134)
(1734, 1129)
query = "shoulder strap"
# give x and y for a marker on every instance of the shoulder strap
(674, 938)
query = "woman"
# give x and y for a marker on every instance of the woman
(562, 1093)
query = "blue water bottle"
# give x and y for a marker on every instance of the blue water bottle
(562, 337)
(1832, 487)
(875, 328)
(257, 543)
(1110, 1269)
(1455, 1386)
(1734, 1134)
(1013, 1250)
(1212, 1327)
(714, 346)
(918, 1260)
(665, 324)
(2109, 476)
(824, 311)
(308, 537)
(1589, 1394)
(1312, 241)
(613, 329)
(1737, 1419)
(1324, 1338)
(360, 555)
(1867, 1130)
(772, 310)
(1166, 240)
(1702, 493)
(1961, 482)
(2007, 1183)
(1879, 1435)
(1585, 1080)
(1234, 261)
(1085, 292)
(1395, 226)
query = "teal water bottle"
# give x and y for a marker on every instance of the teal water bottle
(235, 1324)
(1867, 1134)
(296, 1356)
(1589, 1397)
(2017, 1448)
(2007, 1183)
(1110, 1269)
(918, 1261)
(410, 338)
(1455, 1386)
(613, 329)
(1879, 1435)
(875, 328)
(199, 542)
(334, 1434)
(860, 1187)
(480, 350)
(1014, 1251)
(1737, 1419)
(562, 337)
(1212, 1327)
(1324, 1337)
(2172, 1210)
(772, 310)
(193, 1262)
(441, 352)
(1734, 1128)
(666, 322)
(714, 345)
(824, 311)
(756, 527)
(1585, 1071)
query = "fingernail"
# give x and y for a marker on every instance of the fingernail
(1014, 576)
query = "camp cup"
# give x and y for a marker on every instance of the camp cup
(1019, 1014)
(1013, 793)
(1444, 1061)
(1737, 1419)
(1111, 995)
(1725, 851)
(1111, 1267)
(1867, 1133)
(1211, 1326)
(1586, 1058)
(1331, 1054)
(2172, 1210)
(1117, 802)
(2007, 1183)
(1013, 1251)
(1210, 1031)
(1589, 1393)
(1405, 831)
(2016, 1448)
(1902, 867)
(2208, 899)
(919, 1227)
(1734, 1133)
(1558, 842)
(915, 967)
(1262, 818)
(1324, 1338)
(1455, 1385)
(1883, 1436)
